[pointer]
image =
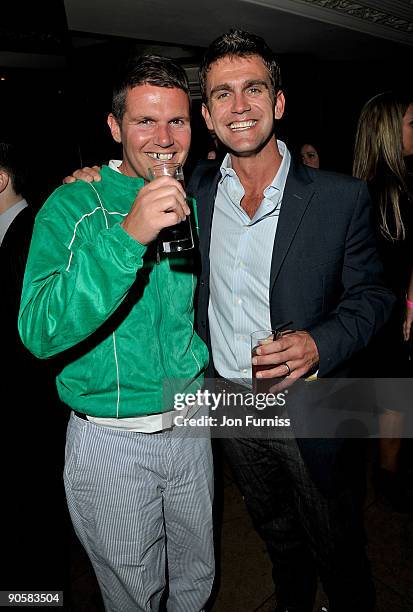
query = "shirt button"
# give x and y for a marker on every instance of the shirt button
(244, 371)
(239, 301)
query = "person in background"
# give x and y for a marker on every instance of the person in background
(34, 525)
(213, 148)
(309, 155)
(384, 140)
(98, 291)
(16, 225)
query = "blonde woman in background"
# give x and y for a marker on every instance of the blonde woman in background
(384, 139)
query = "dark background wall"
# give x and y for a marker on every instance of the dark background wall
(55, 100)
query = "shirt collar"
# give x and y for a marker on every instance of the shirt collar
(9, 215)
(277, 184)
(226, 167)
(114, 164)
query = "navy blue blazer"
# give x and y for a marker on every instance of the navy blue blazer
(326, 274)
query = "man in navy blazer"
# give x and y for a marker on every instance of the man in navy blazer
(281, 243)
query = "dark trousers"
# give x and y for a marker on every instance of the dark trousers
(34, 522)
(307, 534)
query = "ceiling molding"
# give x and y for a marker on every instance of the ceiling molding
(388, 19)
(374, 14)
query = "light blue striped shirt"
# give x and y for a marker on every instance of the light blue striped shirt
(240, 263)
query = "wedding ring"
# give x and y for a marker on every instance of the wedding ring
(288, 368)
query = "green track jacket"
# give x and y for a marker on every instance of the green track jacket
(122, 322)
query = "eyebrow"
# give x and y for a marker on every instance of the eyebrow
(228, 87)
(256, 82)
(221, 87)
(150, 118)
(179, 118)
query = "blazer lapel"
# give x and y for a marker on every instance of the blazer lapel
(298, 192)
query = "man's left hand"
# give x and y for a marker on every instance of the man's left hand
(293, 355)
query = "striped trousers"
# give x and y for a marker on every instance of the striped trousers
(141, 504)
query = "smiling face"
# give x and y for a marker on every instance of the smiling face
(408, 131)
(155, 127)
(241, 106)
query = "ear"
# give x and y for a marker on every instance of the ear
(207, 117)
(4, 180)
(279, 105)
(114, 128)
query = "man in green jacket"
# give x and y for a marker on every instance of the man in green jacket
(98, 292)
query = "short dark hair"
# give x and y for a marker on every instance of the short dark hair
(11, 161)
(238, 43)
(146, 69)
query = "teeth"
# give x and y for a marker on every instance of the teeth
(242, 125)
(161, 156)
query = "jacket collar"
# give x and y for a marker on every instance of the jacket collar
(298, 192)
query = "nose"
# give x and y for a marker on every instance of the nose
(163, 135)
(240, 103)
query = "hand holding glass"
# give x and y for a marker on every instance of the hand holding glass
(177, 237)
(258, 338)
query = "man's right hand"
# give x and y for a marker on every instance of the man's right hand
(89, 175)
(159, 204)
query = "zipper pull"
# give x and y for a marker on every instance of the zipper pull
(158, 255)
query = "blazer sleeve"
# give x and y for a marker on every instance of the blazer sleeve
(365, 303)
